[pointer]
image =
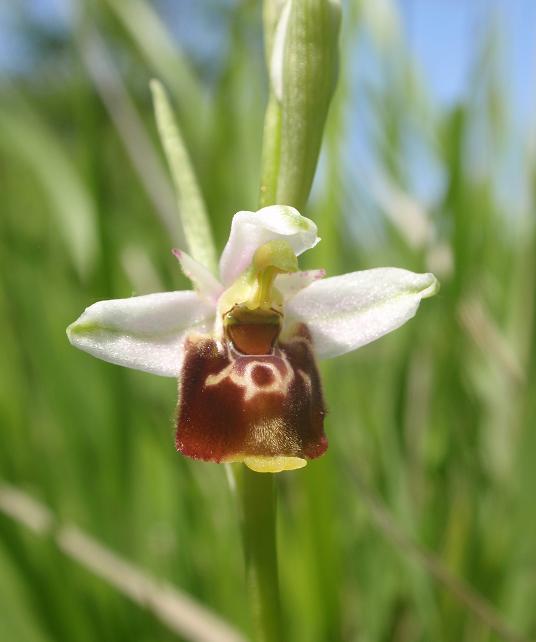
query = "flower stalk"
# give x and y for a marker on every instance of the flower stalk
(258, 497)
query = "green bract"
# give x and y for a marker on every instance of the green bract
(303, 62)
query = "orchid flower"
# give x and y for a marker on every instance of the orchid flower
(244, 347)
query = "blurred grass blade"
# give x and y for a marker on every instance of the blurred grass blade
(192, 209)
(132, 132)
(153, 39)
(162, 54)
(479, 324)
(382, 21)
(387, 525)
(179, 612)
(16, 609)
(71, 203)
(407, 214)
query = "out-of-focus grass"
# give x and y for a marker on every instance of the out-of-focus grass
(437, 420)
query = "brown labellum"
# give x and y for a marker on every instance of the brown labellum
(235, 404)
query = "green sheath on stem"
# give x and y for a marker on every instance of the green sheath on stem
(271, 153)
(302, 52)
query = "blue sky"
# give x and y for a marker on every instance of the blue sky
(441, 33)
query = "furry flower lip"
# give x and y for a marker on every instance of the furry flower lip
(244, 346)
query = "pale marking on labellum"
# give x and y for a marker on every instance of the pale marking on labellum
(280, 383)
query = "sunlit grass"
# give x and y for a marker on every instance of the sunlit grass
(435, 422)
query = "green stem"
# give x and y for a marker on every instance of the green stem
(259, 532)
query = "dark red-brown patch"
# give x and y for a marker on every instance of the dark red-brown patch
(262, 375)
(218, 422)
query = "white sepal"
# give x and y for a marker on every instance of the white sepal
(144, 332)
(346, 312)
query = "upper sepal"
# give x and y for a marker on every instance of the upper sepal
(251, 230)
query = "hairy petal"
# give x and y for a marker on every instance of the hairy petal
(204, 282)
(346, 312)
(143, 332)
(250, 230)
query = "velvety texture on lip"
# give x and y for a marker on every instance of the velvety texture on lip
(233, 405)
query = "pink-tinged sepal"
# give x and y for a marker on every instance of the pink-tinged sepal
(234, 407)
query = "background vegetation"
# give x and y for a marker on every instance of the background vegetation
(420, 522)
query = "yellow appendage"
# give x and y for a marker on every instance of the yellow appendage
(274, 464)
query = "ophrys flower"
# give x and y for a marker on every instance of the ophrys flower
(244, 347)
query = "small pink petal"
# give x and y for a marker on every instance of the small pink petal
(290, 284)
(206, 285)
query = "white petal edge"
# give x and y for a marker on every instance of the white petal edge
(250, 230)
(346, 312)
(277, 62)
(291, 283)
(205, 283)
(143, 332)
